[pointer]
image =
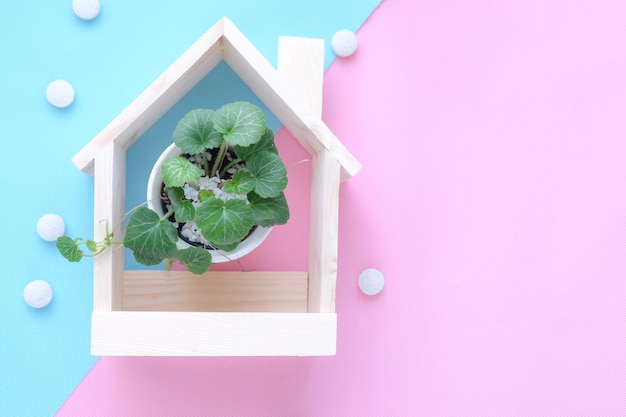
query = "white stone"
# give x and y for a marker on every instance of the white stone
(344, 43)
(86, 9)
(371, 281)
(38, 293)
(60, 93)
(50, 227)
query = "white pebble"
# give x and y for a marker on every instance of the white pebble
(86, 9)
(60, 93)
(371, 281)
(50, 227)
(38, 293)
(344, 42)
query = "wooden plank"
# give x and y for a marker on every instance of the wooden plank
(301, 64)
(109, 207)
(323, 233)
(192, 66)
(349, 165)
(215, 291)
(133, 333)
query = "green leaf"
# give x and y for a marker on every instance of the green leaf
(224, 222)
(265, 143)
(270, 173)
(149, 237)
(241, 183)
(229, 248)
(69, 249)
(194, 132)
(175, 194)
(146, 259)
(91, 245)
(184, 211)
(240, 123)
(204, 195)
(269, 211)
(197, 260)
(178, 170)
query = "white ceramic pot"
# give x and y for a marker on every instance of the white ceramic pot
(155, 184)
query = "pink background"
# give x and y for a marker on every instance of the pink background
(492, 197)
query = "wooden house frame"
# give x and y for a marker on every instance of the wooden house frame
(160, 313)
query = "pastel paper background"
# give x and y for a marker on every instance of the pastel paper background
(493, 199)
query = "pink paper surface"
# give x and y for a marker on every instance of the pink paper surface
(492, 197)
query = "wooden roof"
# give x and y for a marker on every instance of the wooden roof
(224, 42)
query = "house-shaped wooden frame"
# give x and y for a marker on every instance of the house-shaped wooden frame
(175, 313)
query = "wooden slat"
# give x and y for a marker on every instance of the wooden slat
(301, 64)
(323, 233)
(109, 207)
(215, 291)
(133, 333)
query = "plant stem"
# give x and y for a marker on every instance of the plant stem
(123, 218)
(227, 167)
(168, 214)
(205, 163)
(298, 163)
(220, 158)
(92, 255)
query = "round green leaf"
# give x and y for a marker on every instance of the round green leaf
(269, 172)
(241, 183)
(149, 236)
(184, 211)
(91, 245)
(228, 248)
(265, 143)
(195, 133)
(146, 259)
(224, 222)
(240, 123)
(269, 211)
(197, 260)
(69, 249)
(204, 194)
(177, 170)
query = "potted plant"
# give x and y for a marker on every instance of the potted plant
(218, 188)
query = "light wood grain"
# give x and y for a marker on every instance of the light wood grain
(215, 291)
(133, 333)
(323, 233)
(109, 207)
(301, 64)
